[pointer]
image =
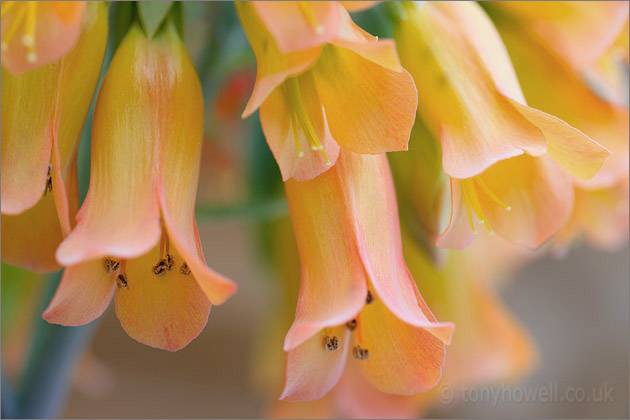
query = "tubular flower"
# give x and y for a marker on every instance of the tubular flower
(35, 33)
(601, 204)
(136, 233)
(43, 111)
(510, 165)
(578, 32)
(356, 294)
(307, 53)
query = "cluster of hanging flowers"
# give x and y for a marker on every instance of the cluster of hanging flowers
(509, 135)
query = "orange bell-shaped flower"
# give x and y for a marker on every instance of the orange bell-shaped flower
(136, 233)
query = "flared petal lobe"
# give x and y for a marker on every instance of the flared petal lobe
(35, 33)
(166, 311)
(120, 216)
(83, 295)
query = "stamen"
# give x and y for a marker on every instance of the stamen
(169, 261)
(296, 139)
(49, 186)
(351, 325)
(300, 115)
(360, 354)
(467, 204)
(305, 8)
(492, 195)
(369, 298)
(331, 343)
(121, 281)
(184, 269)
(28, 39)
(111, 265)
(15, 24)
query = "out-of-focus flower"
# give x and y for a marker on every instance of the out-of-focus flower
(43, 111)
(577, 31)
(356, 293)
(35, 33)
(136, 233)
(510, 165)
(601, 203)
(307, 54)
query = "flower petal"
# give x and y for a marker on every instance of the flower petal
(333, 283)
(356, 398)
(180, 156)
(120, 215)
(166, 311)
(539, 194)
(57, 29)
(27, 130)
(83, 295)
(372, 200)
(273, 65)
(382, 102)
(312, 371)
(297, 26)
(275, 118)
(571, 149)
(574, 101)
(403, 359)
(458, 234)
(30, 239)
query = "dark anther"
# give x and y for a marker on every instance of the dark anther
(121, 280)
(111, 265)
(351, 325)
(369, 298)
(48, 188)
(331, 343)
(169, 261)
(184, 269)
(360, 354)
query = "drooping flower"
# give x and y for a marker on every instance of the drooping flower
(356, 294)
(43, 111)
(511, 166)
(577, 31)
(324, 84)
(35, 33)
(136, 234)
(601, 203)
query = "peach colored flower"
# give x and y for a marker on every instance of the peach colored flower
(356, 294)
(511, 166)
(324, 84)
(136, 233)
(43, 111)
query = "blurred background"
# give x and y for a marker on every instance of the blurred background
(576, 308)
